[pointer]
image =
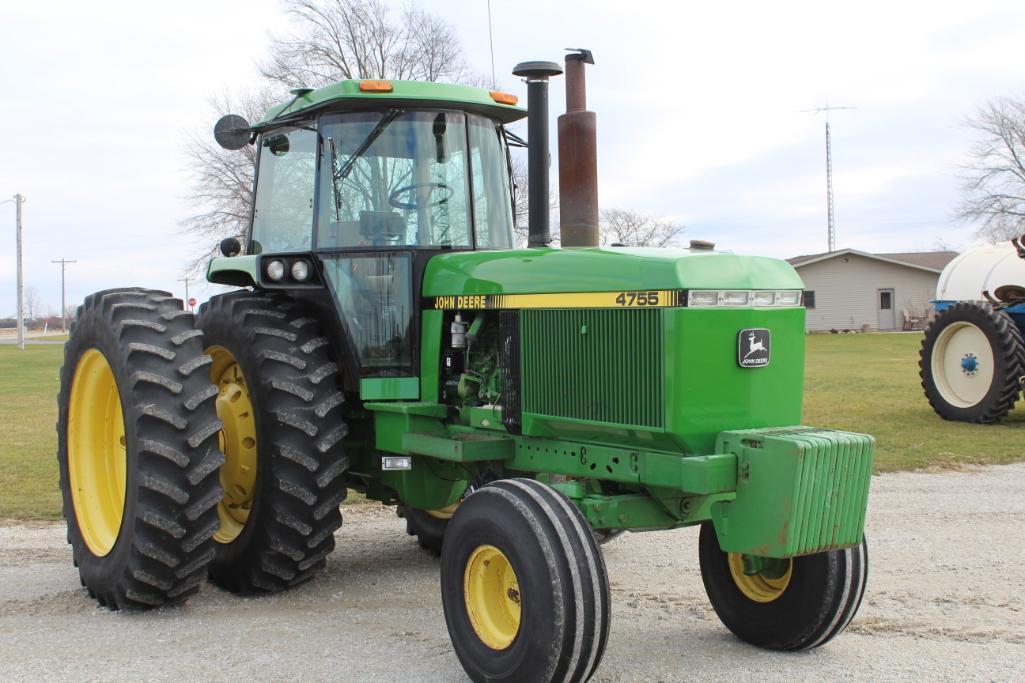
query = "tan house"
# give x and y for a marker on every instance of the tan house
(855, 290)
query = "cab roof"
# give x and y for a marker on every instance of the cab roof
(347, 96)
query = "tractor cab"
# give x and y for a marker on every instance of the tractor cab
(358, 185)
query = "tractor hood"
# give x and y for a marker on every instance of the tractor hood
(538, 271)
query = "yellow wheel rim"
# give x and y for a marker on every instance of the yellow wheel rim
(757, 587)
(97, 459)
(445, 512)
(492, 595)
(237, 441)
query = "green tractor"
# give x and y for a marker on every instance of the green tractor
(517, 405)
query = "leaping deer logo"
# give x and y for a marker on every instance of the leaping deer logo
(754, 343)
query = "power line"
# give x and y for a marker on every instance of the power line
(64, 307)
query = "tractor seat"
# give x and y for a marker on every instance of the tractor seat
(382, 228)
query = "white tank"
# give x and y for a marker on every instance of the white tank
(979, 269)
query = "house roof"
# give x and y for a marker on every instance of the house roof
(932, 261)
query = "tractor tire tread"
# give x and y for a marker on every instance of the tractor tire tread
(562, 567)
(161, 552)
(1009, 356)
(300, 479)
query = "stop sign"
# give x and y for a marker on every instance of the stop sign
(192, 301)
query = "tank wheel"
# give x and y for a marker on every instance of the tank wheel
(427, 525)
(524, 586)
(795, 604)
(279, 401)
(971, 363)
(137, 449)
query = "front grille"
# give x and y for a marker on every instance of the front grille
(601, 365)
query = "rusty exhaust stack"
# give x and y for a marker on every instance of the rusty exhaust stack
(578, 159)
(538, 154)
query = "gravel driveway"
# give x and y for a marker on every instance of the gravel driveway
(945, 599)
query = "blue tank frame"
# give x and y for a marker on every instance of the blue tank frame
(1017, 312)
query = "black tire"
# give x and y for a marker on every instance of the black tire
(428, 529)
(292, 383)
(983, 392)
(155, 357)
(563, 620)
(603, 536)
(821, 598)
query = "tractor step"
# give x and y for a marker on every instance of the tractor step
(460, 447)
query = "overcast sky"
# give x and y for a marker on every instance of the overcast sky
(699, 112)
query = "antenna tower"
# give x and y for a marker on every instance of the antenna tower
(829, 175)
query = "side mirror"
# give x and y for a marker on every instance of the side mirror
(230, 246)
(232, 132)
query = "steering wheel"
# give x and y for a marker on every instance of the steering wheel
(419, 194)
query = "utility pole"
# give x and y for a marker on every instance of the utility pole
(64, 307)
(186, 281)
(831, 225)
(18, 201)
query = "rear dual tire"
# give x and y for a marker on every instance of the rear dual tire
(279, 527)
(137, 449)
(524, 586)
(140, 436)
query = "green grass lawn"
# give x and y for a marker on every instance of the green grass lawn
(869, 383)
(866, 383)
(28, 411)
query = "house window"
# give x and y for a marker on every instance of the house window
(809, 298)
(885, 300)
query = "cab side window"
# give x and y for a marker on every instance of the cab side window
(283, 211)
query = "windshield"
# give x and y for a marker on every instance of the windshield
(415, 179)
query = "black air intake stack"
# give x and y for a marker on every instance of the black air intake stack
(538, 156)
(578, 159)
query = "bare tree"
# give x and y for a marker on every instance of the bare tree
(993, 182)
(332, 40)
(33, 303)
(222, 180)
(521, 203)
(339, 39)
(636, 229)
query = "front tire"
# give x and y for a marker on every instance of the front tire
(971, 363)
(803, 605)
(285, 461)
(524, 586)
(137, 449)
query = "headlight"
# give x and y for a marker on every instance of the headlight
(704, 298)
(276, 270)
(737, 298)
(743, 297)
(788, 297)
(300, 271)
